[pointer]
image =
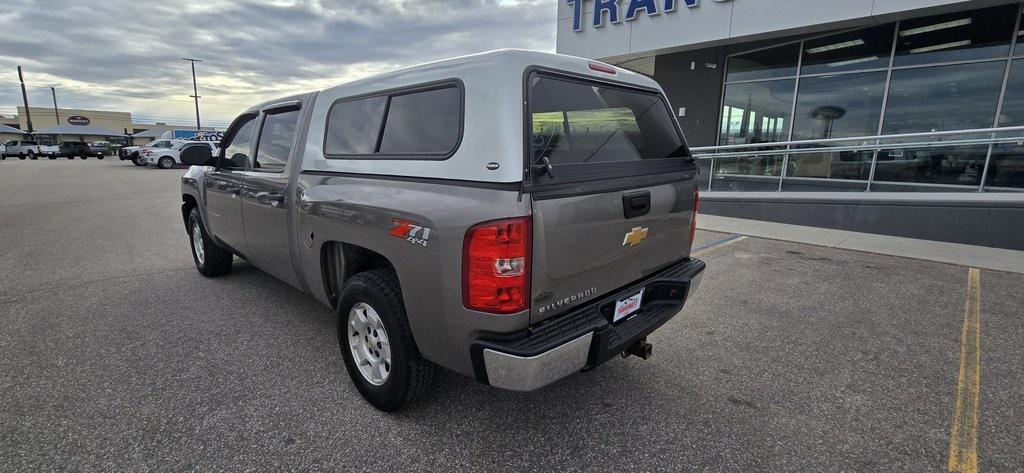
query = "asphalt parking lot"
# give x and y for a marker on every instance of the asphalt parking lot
(116, 355)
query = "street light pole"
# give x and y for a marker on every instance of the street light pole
(195, 88)
(56, 114)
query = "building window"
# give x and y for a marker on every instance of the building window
(1013, 102)
(764, 64)
(839, 106)
(963, 36)
(757, 112)
(941, 98)
(856, 50)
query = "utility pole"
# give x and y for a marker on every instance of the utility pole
(195, 88)
(55, 113)
(24, 97)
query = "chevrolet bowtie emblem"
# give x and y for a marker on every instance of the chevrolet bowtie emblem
(635, 236)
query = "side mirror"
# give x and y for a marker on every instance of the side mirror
(197, 156)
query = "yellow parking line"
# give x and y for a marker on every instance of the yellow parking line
(721, 245)
(963, 440)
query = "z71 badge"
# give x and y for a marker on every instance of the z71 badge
(411, 232)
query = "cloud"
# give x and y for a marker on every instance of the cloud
(126, 55)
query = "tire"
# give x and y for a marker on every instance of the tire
(72, 157)
(32, 155)
(136, 161)
(21, 156)
(213, 260)
(408, 375)
(165, 163)
(52, 156)
(84, 157)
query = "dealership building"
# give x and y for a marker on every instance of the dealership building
(902, 117)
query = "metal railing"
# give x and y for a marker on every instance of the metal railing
(929, 161)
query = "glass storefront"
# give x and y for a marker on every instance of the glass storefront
(950, 72)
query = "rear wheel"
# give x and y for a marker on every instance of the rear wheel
(137, 162)
(210, 259)
(165, 163)
(84, 156)
(21, 156)
(377, 344)
(32, 155)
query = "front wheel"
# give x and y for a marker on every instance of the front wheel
(99, 157)
(210, 259)
(165, 163)
(84, 156)
(52, 156)
(32, 155)
(377, 344)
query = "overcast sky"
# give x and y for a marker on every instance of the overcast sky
(125, 55)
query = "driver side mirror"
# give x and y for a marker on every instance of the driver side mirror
(197, 156)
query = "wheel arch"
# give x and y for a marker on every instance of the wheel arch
(339, 261)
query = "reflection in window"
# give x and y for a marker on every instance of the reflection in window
(352, 126)
(869, 48)
(276, 139)
(1013, 103)
(839, 106)
(1019, 50)
(848, 165)
(407, 132)
(1006, 169)
(764, 64)
(976, 34)
(951, 166)
(943, 98)
(757, 112)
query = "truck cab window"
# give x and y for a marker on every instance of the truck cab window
(236, 148)
(276, 139)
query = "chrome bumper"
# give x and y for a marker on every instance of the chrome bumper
(585, 337)
(519, 373)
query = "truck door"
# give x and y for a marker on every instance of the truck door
(265, 199)
(224, 186)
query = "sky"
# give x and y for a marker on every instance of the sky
(122, 55)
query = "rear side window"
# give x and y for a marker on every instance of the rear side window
(420, 123)
(353, 127)
(29, 143)
(574, 122)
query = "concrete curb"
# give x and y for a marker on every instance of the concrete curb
(952, 253)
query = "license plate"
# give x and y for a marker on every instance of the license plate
(626, 307)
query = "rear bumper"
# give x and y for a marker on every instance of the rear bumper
(585, 337)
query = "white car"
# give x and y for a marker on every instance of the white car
(167, 158)
(24, 149)
(134, 153)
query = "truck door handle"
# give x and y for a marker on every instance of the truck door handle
(636, 204)
(270, 198)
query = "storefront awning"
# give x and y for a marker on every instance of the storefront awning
(10, 130)
(78, 130)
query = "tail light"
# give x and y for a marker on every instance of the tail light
(693, 218)
(496, 266)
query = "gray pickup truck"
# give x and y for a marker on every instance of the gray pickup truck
(513, 216)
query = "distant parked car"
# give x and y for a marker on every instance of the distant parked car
(167, 158)
(134, 153)
(81, 149)
(22, 149)
(49, 151)
(100, 148)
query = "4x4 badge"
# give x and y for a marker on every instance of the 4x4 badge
(411, 232)
(635, 236)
